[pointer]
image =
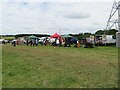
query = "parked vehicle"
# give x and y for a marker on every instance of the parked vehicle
(105, 40)
(108, 39)
(3, 41)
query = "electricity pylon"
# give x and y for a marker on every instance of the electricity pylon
(110, 23)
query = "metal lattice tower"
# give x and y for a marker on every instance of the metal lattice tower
(113, 22)
(118, 16)
(110, 23)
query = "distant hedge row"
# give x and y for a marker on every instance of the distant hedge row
(79, 36)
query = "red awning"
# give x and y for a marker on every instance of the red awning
(55, 36)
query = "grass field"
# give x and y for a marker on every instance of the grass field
(51, 67)
(8, 38)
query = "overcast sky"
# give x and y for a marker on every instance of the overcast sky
(43, 17)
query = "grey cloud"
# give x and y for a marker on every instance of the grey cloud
(77, 16)
(96, 23)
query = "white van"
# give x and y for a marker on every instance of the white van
(108, 39)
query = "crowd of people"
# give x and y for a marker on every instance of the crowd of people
(66, 41)
(58, 42)
(33, 42)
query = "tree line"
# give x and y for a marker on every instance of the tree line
(97, 33)
(79, 36)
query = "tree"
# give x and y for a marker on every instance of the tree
(107, 32)
(99, 32)
(112, 32)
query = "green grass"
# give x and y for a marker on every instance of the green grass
(8, 38)
(51, 67)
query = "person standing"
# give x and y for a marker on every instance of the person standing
(33, 42)
(14, 43)
(57, 42)
(27, 43)
(30, 42)
(78, 44)
(36, 42)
